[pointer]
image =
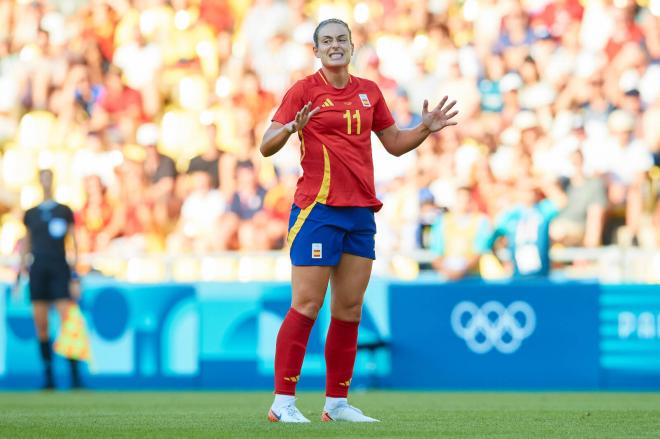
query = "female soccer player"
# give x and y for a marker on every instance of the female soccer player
(331, 228)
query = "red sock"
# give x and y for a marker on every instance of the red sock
(290, 351)
(340, 351)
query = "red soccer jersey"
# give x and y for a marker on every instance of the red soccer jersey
(336, 142)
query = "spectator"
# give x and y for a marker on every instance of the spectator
(277, 206)
(94, 217)
(246, 217)
(86, 94)
(405, 118)
(198, 228)
(209, 160)
(140, 62)
(625, 161)
(557, 16)
(580, 222)
(253, 97)
(459, 238)
(118, 105)
(489, 85)
(625, 28)
(132, 217)
(526, 228)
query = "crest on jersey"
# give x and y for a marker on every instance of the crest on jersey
(365, 100)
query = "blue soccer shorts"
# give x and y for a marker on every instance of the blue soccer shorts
(319, 234)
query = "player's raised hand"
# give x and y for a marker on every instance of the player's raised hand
(302, 117)
(440, 117)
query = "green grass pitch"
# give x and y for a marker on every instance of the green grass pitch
(163, 415)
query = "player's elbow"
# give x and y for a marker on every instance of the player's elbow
(392, 149)
(396, 152)
(265, 150)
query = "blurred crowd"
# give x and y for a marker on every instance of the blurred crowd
(150, 113)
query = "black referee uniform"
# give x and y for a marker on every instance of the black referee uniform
(48, 224)
(50, 274)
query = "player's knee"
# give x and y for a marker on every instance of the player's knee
(309, 308)
(349, 312)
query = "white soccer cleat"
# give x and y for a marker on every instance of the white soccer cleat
(288, 413)
(345, 412)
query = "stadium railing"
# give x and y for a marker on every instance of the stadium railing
(611, 264)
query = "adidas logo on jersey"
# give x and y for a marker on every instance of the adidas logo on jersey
(327, 103)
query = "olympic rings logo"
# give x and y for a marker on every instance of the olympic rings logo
(493, 325)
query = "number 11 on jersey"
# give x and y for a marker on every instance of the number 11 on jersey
(356, 116)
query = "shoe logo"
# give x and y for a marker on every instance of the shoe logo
(275, 415)
(327, 103)
(317, 250)
(293, 379)
(345, 383)
(493, 325)
(365, 100)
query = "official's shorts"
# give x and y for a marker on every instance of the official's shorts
(319, 234)
(49, 281)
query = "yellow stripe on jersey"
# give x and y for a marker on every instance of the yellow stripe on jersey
(302, 145)
(321, 197)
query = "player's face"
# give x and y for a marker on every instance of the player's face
(334, 45)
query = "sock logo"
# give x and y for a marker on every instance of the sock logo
(293, 379)
(317, 250)
(345, 383)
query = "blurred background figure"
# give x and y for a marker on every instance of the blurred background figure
(246, 219)
(459, 238)
(580, 222)
(198, 228)
(526, 227)
(49, 227)
(94, 216)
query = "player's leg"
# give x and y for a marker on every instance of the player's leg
(312, 241)
(63, 306)
(349, 282)
(60, 287)
(308, 285)
(40, 314)
(41, 301)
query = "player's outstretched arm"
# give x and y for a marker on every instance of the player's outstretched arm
(398, 142)
(277, 134)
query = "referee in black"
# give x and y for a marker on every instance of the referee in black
(51, 279)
